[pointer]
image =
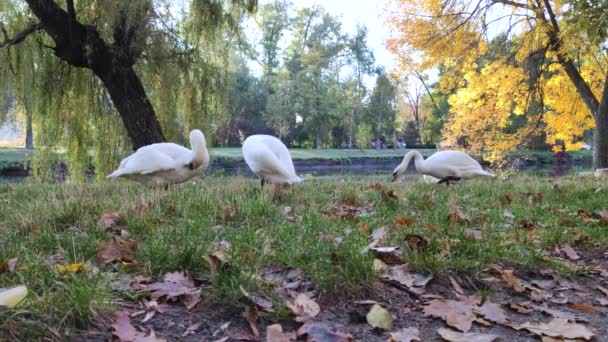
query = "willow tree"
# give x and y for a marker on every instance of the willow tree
(94, 59)
(554, 49)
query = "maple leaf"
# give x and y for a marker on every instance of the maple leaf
(318, 331)
(116, 249)
(454, 336)
(110, 219)
(401, 274)
(405, 335)
(570, 252)
(404, 221)
(457, 216)
(259, 300)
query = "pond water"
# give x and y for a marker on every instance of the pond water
(380, 170)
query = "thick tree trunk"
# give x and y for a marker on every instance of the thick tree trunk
(131, 101)
(600, 141)
(82, 46)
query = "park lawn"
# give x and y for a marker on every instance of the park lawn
(320, 227)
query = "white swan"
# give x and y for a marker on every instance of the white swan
(269, 159)
(445, 165)
(162, 164)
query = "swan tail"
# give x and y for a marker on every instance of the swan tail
(487, 174)
(115, 174)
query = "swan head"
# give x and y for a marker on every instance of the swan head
(199, 149)
(400, 169)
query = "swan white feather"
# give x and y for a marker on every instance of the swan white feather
(444, 165)
(269, 159)
(163, 164)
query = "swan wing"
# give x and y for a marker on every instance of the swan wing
(144, 161)
(452, 163)
(265, 163)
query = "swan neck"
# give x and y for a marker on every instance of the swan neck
(200, 155)
(409, 156)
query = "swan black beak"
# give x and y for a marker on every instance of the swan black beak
(395, 176)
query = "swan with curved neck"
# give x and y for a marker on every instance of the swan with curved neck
(163, 164)
(445, 165)
(269, 159)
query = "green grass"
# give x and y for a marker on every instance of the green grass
(49, 225)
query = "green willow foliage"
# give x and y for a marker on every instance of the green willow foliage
(183, 63)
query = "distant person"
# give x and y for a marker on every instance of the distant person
(562, 156)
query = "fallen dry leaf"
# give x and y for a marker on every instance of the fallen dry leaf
(405, 335)
(457, 314)
(473, 234)
(71, 268)
(192, 329)
(379, 317)
(454, 336)
(585, 307)
(570, 252)
(174, 287)
(11, 264)
(115, 249)
(558, 327)
(123, 329)
(274, 333)
(260, 301)
(457, 216)
(456, 286)
(217, 261)
(303, 306)
(513, 281)
(404, 221)
(317, 331)
(518, 308)
(402, 275)
(390, 255)
(251, 316)
(415, 242)
(379, 233)
(150, 338)
(493, 312)
(110, 219)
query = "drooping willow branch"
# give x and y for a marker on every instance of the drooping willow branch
(20, 36)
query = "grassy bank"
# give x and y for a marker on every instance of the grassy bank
(320, 228)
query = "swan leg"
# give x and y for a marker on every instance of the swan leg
(262, 182)
(447, 180)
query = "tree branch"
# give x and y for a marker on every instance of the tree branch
(20, 36)
(513, 3)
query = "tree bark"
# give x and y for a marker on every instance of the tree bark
(29, 132)
(81, 46)
(600, 134)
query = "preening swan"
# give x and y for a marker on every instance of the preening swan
(162, 164)
(269, 159)
(445, 165)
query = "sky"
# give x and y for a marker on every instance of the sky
(353, 12)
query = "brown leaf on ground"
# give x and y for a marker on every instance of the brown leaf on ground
(303, 306)
(431, 227)
(454, 336)
(317, 331)
(384, 192)
(457, 314)
(518, 308)
(174, 287)
(493, 312)
(585, 307)
(401, 274)
(260, 301)
(390, 255)
(570, 252)
(152, 307)
(543, 284)
(150, 338)
(123, 329)
(602, 290)
(404, 221)
(9, 266)
(115, 249)
(558, 327)
(379, 317)
(405, 335)
(554, 313)
(513, 281)
(274, 333)
(110, 219)
(456, 286)
(217, 261)
(603, 215)
(415, 242)
(473, 234)
(192, 329)
(457, 216)
(527, 224)
(251, 316)
(507, 199)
